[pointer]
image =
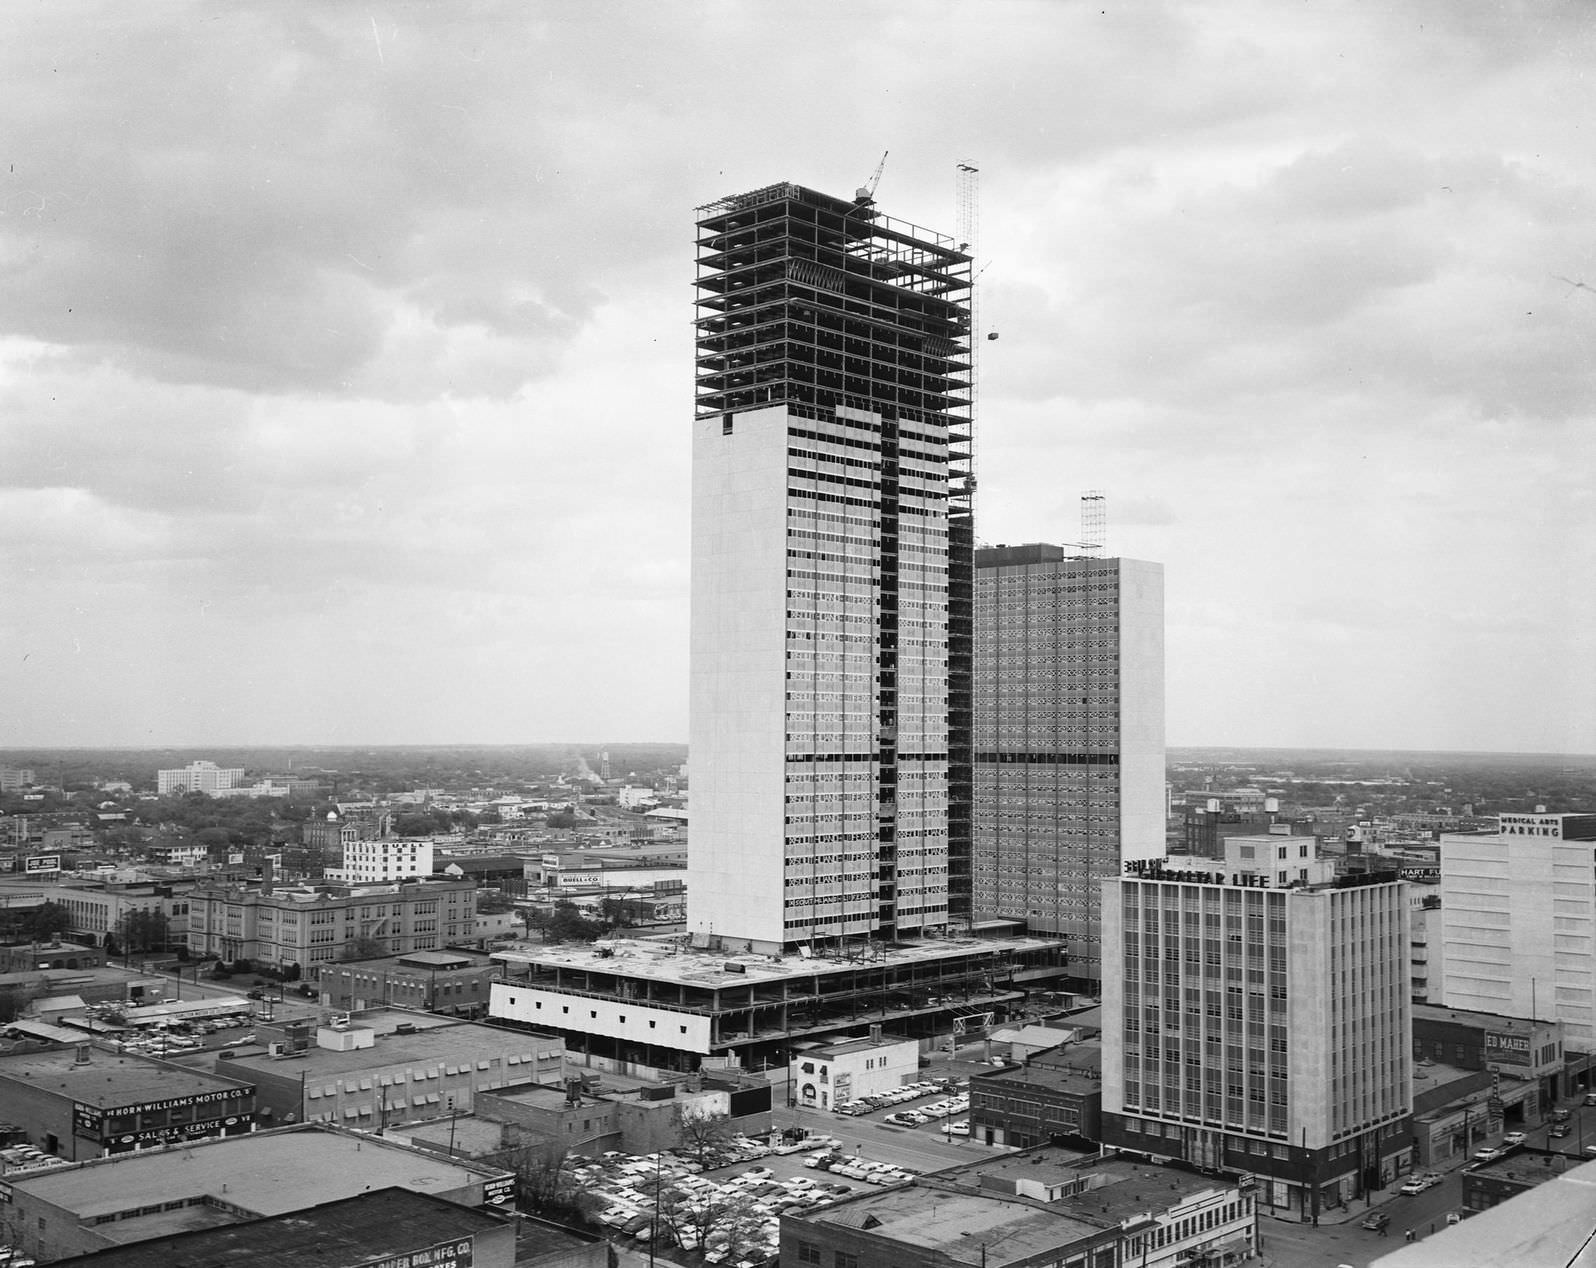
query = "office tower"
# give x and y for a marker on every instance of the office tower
(1068, 737)
(1260, 1029)
(205, 777)
(830, 592)
(1518, 921)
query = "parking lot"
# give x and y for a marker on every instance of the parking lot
(730, 1212)
(937, 1104)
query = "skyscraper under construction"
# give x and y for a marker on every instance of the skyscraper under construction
(832, 573)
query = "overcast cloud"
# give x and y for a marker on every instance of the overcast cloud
(345, 356)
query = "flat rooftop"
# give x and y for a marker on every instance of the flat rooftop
(1053, 1078)
(268, 1173)
(1548, 1226)
(865, 1044)
(467, 1135)
(342, 1234)
(455, 1044)
(673, 961)
(108, 1081)
(1119, 1189)
(967, 1228)
(1464, 1017)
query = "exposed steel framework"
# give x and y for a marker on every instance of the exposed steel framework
(823, 301)
(813, 302)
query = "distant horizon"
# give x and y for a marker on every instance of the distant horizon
(347, 370)
(9, 752)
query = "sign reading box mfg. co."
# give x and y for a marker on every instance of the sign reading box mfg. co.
(444, 1255)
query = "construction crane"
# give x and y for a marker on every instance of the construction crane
(867, 193)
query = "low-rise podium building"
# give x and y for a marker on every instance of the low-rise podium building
(50, 1215)
(79, 1102)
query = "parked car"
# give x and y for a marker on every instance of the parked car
(1514, 1138)
(1376, 1221)
(1561, 1115)
(1558, 1130)
(1413, 1186)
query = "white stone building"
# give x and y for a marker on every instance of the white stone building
(1518, 920)
(205, 777)
(384, 859)
(830, 539)
(832, 1075)
(1261, 1030)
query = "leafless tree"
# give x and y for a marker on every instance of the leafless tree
(705, 1135)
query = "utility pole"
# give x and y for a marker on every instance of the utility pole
(653, 1231)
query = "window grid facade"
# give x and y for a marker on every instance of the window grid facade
(1068, 743)
(1259, 1023)
(831, 460)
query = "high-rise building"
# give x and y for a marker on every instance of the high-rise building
(831, 571)
(1259, 1028)
(205, 777)
(1518, 921)
(1068, 737)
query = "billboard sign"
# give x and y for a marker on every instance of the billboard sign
(455, 1254)
(499, 1190)
(1505, 1049)
(37, 863)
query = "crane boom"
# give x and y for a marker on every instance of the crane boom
(866, 193)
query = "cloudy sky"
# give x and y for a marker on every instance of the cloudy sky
(345, 356)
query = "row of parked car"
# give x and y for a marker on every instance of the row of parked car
(943, 1109)
(667, 1200)
(855, 1168)
(28, 1158)
(897, 1096)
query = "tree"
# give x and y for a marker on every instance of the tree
(492, 901)
(364, 948)
(142, 929)
(704, 1135)
(49, 921)
(129, 838)
(691, 1220)
(567, 924)
(620, 913)
(562, 819)
(422, 823)
(15, 998)
(544, 1182)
